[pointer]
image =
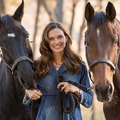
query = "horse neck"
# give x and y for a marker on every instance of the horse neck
(116, 77)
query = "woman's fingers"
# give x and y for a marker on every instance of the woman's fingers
(34, 94)
(62, 83)
(67, 89)
(37, 96)
(38, 93)
(65, 85)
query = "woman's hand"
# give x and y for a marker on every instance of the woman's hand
(33, 94)
(69, 88)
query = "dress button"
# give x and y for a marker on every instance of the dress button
(47, 88)
(52, 108)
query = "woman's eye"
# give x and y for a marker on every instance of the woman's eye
(60, 36)
(50, 38)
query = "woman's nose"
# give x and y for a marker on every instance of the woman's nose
(56, 40)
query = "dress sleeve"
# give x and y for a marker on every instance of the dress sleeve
(26, 100)
(86, 97)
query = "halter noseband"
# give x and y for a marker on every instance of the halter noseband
(103, 60)
(18, 60)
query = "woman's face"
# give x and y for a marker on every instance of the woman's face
(57, 40)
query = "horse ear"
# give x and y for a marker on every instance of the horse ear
(89, 12)
(110, 11)
(19, 12)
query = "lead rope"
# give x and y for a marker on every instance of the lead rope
(32, 110)
(33, 116)
(74, 100)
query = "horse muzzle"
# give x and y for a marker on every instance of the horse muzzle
(28, 85)
(104, 95)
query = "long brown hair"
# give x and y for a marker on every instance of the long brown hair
(70, 58)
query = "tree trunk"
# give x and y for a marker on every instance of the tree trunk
(51, 17)
(59, 10)
(36, 22)
(72, 20)
(2, 7)
(81, 34)
(81, 31)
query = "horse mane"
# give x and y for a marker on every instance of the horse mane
(7, 23)
(99, 19)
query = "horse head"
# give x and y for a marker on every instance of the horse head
(15, 48)
(102, 48)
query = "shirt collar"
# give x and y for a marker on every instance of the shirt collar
(53, 72)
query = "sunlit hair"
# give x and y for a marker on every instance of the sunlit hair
(70, 59)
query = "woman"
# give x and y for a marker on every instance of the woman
(57, 58)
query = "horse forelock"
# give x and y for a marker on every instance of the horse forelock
(99, 20)
(8, 23)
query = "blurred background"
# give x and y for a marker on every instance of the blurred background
(38, 13)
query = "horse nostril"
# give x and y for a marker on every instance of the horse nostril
(98, 89)
(109, 89)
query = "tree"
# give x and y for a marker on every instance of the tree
(81, 30)
(2, 7)
(74, 3)
(57, 13)
(50, 13)
(36, 22)
(59, 10)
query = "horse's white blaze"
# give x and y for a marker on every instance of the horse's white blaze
(11, 34)
(98, 33)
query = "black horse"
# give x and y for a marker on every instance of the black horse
(16, 73)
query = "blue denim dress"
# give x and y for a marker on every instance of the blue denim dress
(48, 107)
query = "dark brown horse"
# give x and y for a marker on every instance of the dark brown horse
(16, 73)
(102, 40)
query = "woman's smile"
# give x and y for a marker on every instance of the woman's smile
(57, 46)
(57, 40)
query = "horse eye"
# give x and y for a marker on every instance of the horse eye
(86, 43)
(27, 36)
(116, 41)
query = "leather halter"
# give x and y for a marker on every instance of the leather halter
(103, 60)
(16, 62)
